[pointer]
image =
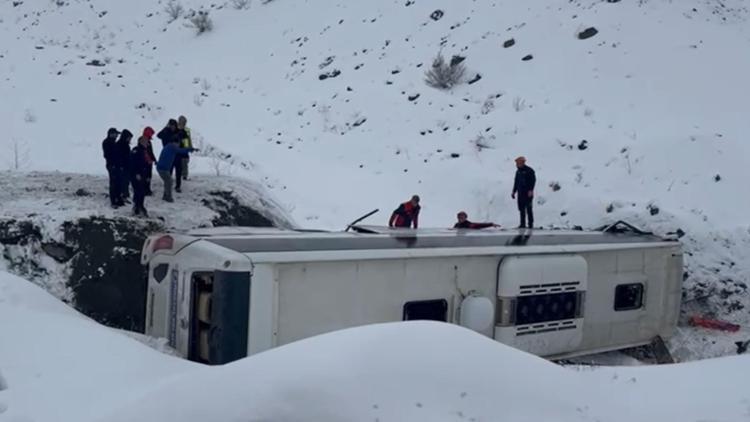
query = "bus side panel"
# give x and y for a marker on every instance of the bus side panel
(319, 297)
(653, 269)
(263, 306)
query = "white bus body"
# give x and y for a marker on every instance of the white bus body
(225, 293)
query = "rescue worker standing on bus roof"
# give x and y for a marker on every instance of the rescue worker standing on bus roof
(523, 185)
(406, 214)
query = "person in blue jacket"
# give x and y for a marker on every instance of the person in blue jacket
(166, 162)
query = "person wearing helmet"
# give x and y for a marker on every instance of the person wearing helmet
(406, 214)
(140, 164)
(464, 223)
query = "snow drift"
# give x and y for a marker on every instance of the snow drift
(57, 365)
(61, 366)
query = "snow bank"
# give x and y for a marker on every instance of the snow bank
(58, 230)
(437, 372)
(61, 366)
(58, 366)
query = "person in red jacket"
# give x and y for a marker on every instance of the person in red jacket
(464, 223)
(406, 214)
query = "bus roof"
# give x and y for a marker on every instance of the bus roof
(380, 238)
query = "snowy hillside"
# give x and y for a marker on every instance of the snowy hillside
(59, 366)
(324, 102)
(659, 119)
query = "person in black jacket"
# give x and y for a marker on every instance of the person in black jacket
(172, 134)
(140, 164)
(109, 148)
(169, 133)
(148, 133)
(122, 149)
(524, 187)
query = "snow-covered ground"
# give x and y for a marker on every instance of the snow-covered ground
(56, 365)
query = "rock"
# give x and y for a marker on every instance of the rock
(232, 212)
(583, 145)
(326, 62)
(332, 74)
(717, 178)
(13, 232)
(82, 192)
(437, 15)
(527, 57)
(58, 251)
(610, 208)
(359, 122)
(107, 279)
(456, 60)
(555, 186)
(653, 209)
(475, 79)
(96, 63)
(413, 97)
(455, 155)
(509, 43)
(587, 33)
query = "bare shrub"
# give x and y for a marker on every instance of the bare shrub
(29, 116)
(174, 10)
(488, 106)
(482, 142)
(241, 4)
(202, 22)
(519, 104)
(20, 156)
(443, 75)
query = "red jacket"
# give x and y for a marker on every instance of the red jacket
(405, 215)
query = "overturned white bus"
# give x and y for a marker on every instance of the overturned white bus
(224, 293)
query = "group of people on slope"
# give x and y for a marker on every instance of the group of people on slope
(134, 167)
(407, 213)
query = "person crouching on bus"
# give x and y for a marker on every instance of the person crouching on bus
(406, 214)
(464, 223)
